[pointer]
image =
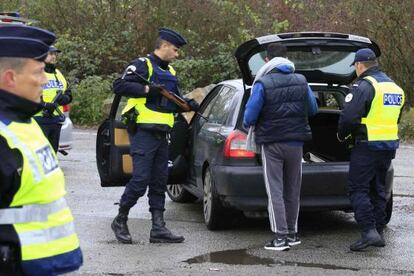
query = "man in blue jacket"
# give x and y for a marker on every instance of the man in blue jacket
(278, 107)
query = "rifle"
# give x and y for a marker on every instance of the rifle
(46, 112)
(164, 92)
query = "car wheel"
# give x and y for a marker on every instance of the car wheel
(214, 213)
(177, 193)
(388, 209)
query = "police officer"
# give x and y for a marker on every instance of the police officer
(371, 114)
(149, 139)
(49, 119)
(37, 235)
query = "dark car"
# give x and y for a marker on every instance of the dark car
(209, 160)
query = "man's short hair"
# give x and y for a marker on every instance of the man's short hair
(16, 64)
(369, 64)
(276, 50)
(159, 42)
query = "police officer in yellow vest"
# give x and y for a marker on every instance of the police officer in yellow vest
(371, 115)
(37, 235)
(149, 139)
(49, 119)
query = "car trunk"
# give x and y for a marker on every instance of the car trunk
(325, 60)
(324, 125)
(324, 145)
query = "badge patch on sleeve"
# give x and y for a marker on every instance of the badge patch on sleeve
(348, 97)
(47, 159)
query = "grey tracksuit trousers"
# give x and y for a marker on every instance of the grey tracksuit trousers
(282, 168)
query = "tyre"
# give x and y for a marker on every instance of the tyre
(215, 215)
(388, 209)
(177, 193)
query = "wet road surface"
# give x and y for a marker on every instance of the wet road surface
(238, 251)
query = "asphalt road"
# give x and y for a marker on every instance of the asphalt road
(325, 236)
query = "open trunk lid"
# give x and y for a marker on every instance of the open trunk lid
(320, 57)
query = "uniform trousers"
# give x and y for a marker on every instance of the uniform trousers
(366, 185)
(149, 151)
(52, 133)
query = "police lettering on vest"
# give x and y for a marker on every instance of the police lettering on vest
(393, 99)
(382, 119)
(47, 159)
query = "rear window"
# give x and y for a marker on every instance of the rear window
(326, 60)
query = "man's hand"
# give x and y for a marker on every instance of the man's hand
(193, 104)
(340, 139)
(64, 98)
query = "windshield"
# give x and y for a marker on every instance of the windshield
(306, 59)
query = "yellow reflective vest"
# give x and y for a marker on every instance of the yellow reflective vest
(40, 217)
(146, 115)
(55, 82)
(382, 119)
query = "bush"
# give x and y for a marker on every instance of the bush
(88, 98)
(407, 126)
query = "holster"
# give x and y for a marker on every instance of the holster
(9, 260)
(129, 119)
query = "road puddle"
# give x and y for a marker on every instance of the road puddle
(242, 257)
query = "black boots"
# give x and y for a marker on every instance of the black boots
(368, 238)
(160, 233)
(120, 228)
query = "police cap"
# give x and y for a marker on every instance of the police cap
(364, 54)
(172, 36)
(22, 41)
(53, 49)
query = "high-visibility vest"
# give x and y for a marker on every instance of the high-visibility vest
(38, 211)
(381, 120)
(146, 115)
(55, 82)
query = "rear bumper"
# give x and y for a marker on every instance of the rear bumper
(323, 186)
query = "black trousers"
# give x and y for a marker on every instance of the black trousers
(52, 133)
(149, 151)
(366, 185)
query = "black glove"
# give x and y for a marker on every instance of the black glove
(193, 104)
(49, 108)
(64, 98)
(154, 90)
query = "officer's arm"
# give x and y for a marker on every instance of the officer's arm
(129, 84)
(357, 105)
(9, 176)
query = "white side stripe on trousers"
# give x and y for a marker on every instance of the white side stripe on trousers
(270, 208)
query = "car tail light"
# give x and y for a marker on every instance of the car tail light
(235, 146)
(66, 108)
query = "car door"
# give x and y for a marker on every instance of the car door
(112, 148)
(113, 157)
(209, 135)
